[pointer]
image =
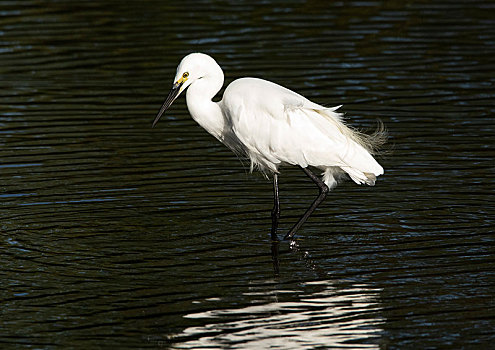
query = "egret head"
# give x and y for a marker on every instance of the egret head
(192, 67)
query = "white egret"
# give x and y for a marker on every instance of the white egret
(273, 126)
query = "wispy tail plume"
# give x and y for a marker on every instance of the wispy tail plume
(375, 141)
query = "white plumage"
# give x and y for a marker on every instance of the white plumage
(272, 125)
(275, 126)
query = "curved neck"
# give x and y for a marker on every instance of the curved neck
(202, 109)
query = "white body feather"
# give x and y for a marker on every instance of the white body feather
(273, 125)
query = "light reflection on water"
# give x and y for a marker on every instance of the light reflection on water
(330, 317)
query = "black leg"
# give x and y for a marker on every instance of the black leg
(276, 208)
(323, 193)
(275, 260)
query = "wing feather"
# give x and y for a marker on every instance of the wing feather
(276, 125)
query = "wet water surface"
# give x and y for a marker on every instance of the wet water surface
(116, 235)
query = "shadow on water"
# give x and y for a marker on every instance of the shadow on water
(114, 235)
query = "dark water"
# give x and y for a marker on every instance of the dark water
(116, 235)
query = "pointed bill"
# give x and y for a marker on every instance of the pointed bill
(173, 94)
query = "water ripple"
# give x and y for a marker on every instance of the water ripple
(114, 234)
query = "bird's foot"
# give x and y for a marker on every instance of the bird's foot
(289, 235)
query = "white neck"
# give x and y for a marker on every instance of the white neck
(202, 109)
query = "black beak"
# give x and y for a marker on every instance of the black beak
(168, 102)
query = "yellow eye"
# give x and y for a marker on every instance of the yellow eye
(185, 75)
